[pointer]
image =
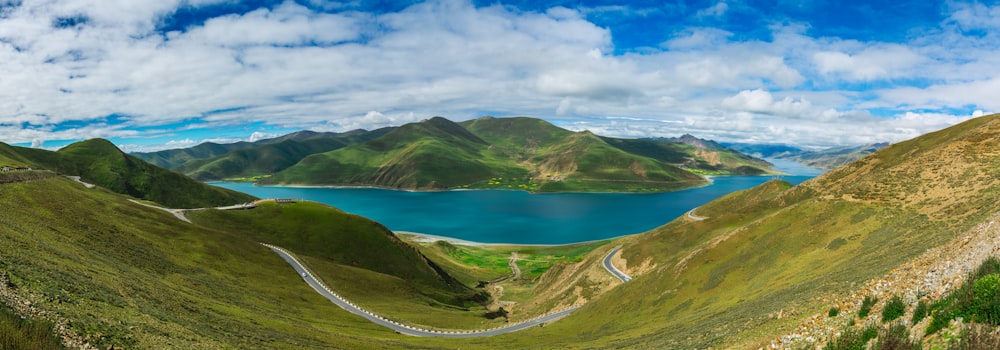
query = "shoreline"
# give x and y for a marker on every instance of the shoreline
(429, 238)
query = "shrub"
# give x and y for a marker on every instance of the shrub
(866, 306)
(977, 338)
(894, 309)
(834, 311)
(986, 299)
(919, 313)
(852, 339)
(896, 337)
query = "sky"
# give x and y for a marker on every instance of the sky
(151, 75)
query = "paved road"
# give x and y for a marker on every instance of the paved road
(77, 179)
(179, 213)
(691, 215)
(404, 329)
(611, 267)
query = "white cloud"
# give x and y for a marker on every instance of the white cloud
(871, 63)
(717, 10)
(761, 101)
(296, 68)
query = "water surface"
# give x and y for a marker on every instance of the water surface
(496, 216)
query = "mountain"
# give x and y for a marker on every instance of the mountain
(210, 161)
(99, 162)
(513, 153)
(692, 153)
(766, 259)
(765, 150)
(834, 157)
(823, 159)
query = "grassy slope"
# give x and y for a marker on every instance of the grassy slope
(714, 160)
(175, 157)
(768, 253)
(273, 155)
(99, 162)
(127, 275)
(580, 161)
(435, 153)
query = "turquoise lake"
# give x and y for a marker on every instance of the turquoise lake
(495, 216)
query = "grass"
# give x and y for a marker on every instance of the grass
(25, 333)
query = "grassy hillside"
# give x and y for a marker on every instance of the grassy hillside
(269, 156)
(175, 157)
(512, 153)
(435, 153)
(765, 257)
(317, 230)
(99, 162)
(136, 277)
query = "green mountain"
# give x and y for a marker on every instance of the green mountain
(512, 153)
(99, 162)
(211, 161)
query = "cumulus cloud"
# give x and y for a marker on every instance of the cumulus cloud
(79, 61)
(871, 63)
(761, 101)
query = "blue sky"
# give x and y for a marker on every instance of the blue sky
(164, 74)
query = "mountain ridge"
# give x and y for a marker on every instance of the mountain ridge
(529, 153)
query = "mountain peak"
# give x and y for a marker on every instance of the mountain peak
(697, 142)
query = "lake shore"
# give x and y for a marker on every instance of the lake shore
(427, 238)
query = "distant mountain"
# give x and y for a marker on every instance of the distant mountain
(823, 159)
(766, 150)
(710, 156)
(98, 161)
(210, 161)
(834, 157)
(514, 153)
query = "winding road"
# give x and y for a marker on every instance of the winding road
(690, 215)
(326, 292)
(402, 328)
(611, 267)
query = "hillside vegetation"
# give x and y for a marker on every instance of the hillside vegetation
(99, 162)
(765, 257)
(122, 274)
(514, 153)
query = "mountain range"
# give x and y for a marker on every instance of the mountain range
(505, 153)
(747, 270)
(828, 158)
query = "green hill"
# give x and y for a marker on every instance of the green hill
(122, 274)
(99, 162)
(210, 161)
(510, 153)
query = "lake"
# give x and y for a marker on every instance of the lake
(497, 216)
